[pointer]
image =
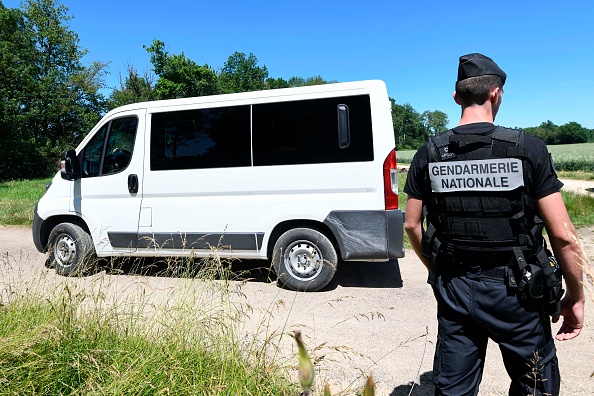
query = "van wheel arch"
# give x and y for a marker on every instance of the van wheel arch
(281, 228)
(49, 224)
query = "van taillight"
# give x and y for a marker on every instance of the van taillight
(391, 181)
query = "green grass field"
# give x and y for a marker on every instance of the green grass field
(18, 199)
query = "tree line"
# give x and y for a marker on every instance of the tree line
(49, 99)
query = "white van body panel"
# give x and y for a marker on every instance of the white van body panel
(57, 200)
(234, 209)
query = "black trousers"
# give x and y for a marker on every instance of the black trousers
(472, 309)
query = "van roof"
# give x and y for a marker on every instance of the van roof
(270, 93)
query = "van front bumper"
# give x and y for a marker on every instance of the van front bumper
(368, 235)
(36, 230)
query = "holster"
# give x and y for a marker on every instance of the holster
(540, 282)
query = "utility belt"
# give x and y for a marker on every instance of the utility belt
(496, 266)
(538, 280)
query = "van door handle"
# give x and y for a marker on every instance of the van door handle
(133, 184)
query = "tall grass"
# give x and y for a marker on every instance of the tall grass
(88, 337)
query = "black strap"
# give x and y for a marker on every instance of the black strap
(522, 264)
(463, 140)
(433, 257)
(428, 237)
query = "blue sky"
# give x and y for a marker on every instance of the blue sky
(545, 47)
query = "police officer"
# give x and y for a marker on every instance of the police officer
(478, 196)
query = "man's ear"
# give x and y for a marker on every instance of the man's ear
(494, 94)
(456, 99)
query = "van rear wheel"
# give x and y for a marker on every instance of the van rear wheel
(71, 250)
(304, 259)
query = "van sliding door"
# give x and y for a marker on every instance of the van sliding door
(199, 186)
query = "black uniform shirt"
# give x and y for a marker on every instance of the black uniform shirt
(541, 175)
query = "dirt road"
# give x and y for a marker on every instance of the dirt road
(375, 318)
(579, 186)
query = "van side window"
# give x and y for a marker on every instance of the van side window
(120, 145)
(203, 138)
(110, 150)
(91, 155)
(313, 131)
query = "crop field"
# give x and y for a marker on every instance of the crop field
(567, 157)
(573, 157)
(405, 156)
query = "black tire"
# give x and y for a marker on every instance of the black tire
(304, 260)
(71, 250)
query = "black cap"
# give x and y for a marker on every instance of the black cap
(474, 65)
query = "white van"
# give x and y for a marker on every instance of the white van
(302, 176)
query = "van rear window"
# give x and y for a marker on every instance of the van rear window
(307, 131)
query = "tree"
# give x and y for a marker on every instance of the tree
(272, 83)
(547, 132)
(569, 133)
(409, 132)
(241, 74)
(314, 80)
(17, 152)
(276, 83)
(435, 122)
(49, 99)
(67, 101)
(180, 77)
(133, 89)
(572, 132)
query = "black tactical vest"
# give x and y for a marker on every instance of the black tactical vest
(479, 207)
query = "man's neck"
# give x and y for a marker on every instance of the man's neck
(474, 114)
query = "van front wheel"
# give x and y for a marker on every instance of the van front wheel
(71, 250)
(304, 260)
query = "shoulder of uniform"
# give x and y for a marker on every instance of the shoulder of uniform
(436, 143)
(509, 134)
(507, 142)
(442, 139)
(509, 129)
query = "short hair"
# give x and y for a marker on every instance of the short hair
(475, 90)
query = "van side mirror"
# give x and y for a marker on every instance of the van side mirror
(69, 167)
